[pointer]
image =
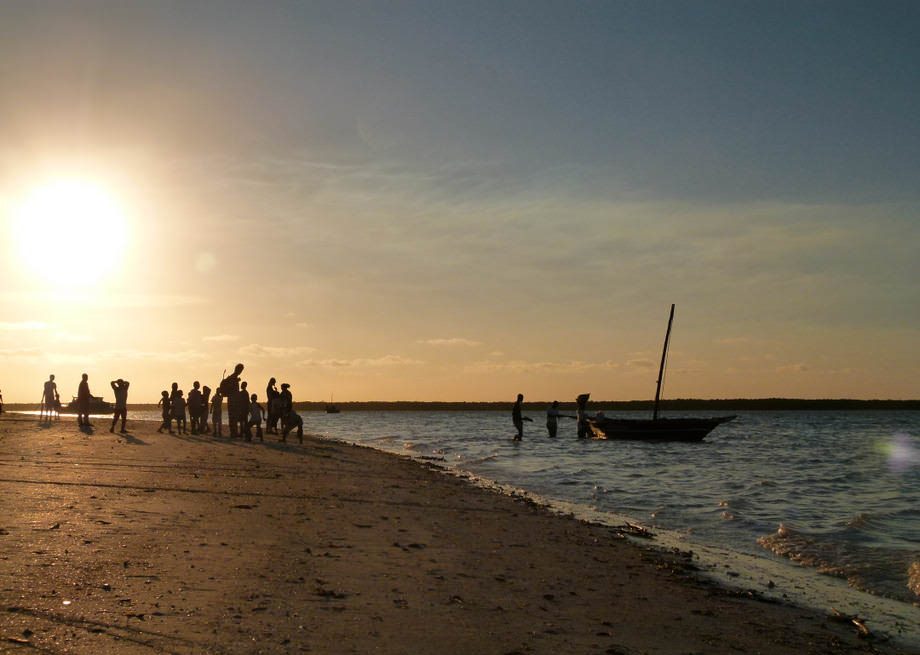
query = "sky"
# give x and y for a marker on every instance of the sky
(461, 200)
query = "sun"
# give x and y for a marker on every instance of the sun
(69, 232)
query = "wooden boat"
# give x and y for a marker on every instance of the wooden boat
(96, 406)
(659, 429)
(331, 407)
(656, 429)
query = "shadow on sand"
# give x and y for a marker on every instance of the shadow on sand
(130, 439)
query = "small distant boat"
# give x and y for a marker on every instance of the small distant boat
(96, 406)
(657, 429)
(331, 407)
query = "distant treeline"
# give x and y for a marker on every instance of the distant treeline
(678, 404)
(627, 405)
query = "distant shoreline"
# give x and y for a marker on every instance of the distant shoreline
(675, 405)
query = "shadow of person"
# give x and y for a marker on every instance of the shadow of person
(87, 429)
(131, 440)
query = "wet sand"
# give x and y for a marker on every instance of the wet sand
(153, 543)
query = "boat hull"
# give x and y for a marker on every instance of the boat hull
(662, 429)
(96, 406)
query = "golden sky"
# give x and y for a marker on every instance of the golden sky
(459, 201)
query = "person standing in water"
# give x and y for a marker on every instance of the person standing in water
(552, 418)
(120, 388)
(581, 415)
(517, 418)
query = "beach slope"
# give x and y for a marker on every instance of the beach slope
(154, 543)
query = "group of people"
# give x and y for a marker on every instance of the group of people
(191, 413)
(51, 402)
(552, 417)
(243, 410)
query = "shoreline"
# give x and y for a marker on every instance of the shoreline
(224, 546)
(667, 405)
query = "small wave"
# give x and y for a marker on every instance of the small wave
(880, 571)
(913, 577)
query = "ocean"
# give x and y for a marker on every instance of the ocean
(821, 507)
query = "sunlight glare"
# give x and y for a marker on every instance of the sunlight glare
(69, 232)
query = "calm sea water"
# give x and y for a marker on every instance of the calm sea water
(829, 492)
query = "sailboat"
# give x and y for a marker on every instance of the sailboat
(331, 407)
(655, 428)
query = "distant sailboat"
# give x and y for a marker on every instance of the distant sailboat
(331, 407)
(657, 429)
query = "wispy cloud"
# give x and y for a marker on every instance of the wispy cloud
(258, 350)
(792, 368)
(451, 341)
(221, 338)
(23, 353)
(23, 326)
(522, 366)
(363, 362)
(109, 300)
(640, 363)
(127, 355)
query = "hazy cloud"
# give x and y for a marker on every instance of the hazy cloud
(258, 350)
(362, 362)
(792, 368)
(522, 366)
(221, 338)
(23, 353)
(452, 341)
(23, 326)
(640, 363)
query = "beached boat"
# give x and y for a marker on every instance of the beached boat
(96, 406)
(656, 429)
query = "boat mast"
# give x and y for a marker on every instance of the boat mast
(664, 355)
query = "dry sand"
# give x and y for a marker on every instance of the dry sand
(152, 543)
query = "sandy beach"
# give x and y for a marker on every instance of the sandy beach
(154, 543)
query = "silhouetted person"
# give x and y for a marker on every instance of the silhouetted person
(83, 400)
(289, 422)
(215, 415)
(205, 403)
(50, 398)
(255, 418)
(552, 418)
(167, 412)
(177, 406)
(272, 405)
(285, 400)
(120, 388)
(230, 389)
(242, 408)
(581, 415)
(194, 406)
(517, 418)
(1, 402)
